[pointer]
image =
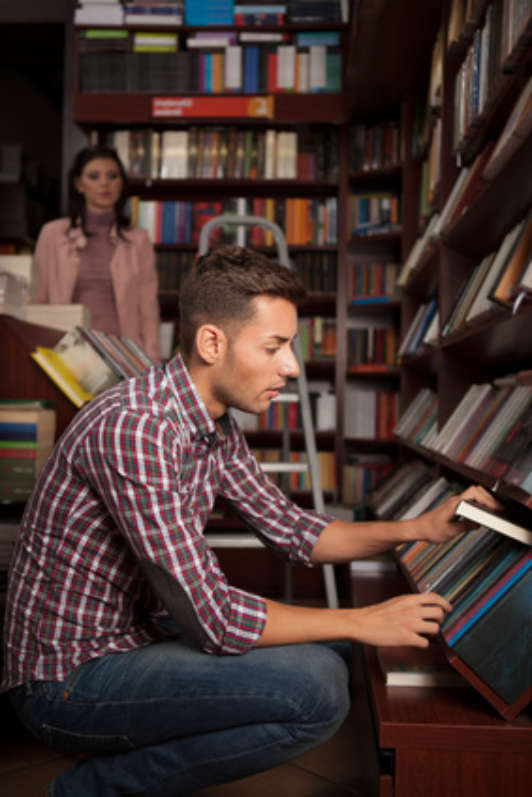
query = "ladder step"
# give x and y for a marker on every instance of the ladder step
(233, 540)
(284, 467)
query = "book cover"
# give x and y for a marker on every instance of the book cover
(497, 648)
(52, 364)
(514, 520)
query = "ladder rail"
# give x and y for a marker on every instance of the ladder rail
(306, 416)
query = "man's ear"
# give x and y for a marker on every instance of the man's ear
(211, 343)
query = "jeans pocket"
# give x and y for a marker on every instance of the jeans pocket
(92, 744)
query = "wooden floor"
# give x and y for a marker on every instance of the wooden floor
(345, 765)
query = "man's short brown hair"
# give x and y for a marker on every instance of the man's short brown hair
(221, 285)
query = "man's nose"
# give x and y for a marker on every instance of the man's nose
(290, 366)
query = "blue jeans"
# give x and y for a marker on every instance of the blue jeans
(167, 719)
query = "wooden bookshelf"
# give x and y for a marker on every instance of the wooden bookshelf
(494, 345)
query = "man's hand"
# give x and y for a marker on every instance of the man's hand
(404, 620)
(440, 524)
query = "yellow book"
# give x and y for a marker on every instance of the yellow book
(52, 364)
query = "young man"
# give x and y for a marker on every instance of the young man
(115, 598)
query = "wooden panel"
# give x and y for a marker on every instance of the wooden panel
(443, 773)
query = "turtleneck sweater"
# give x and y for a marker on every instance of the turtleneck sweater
(94, 286)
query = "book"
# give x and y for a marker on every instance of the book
(410, 666)
(58, 316)
(90, 369)
(510, 274)
(514, 520)
(52, 364)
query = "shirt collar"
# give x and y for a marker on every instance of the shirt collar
(191, 405)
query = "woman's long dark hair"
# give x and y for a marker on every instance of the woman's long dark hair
(76, 201)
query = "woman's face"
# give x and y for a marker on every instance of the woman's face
(100, 183)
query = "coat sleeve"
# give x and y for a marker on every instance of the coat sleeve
(148, 297)
(42, 258)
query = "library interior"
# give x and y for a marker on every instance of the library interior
(382, 151)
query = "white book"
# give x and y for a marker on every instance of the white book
(428, 495)
(326, 412)
(286, 66)
(58, 316)
(241, 231)
(174, 154)
(153, 19)
(22, 267)
(121, 144)
(503, 521)
(233, 67)
(270, 154)
(317, 67)
(99, 14)
(291, 155)
(210, 42)
(303, 86)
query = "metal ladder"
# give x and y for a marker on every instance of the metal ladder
(241, 539)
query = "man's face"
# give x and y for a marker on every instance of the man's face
(259, 357)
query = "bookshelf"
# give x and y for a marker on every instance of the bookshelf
(494, 344)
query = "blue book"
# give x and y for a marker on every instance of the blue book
(18, 431)
(309, 38)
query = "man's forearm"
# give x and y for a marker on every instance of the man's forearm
(341, 541)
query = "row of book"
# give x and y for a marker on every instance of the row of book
(299, 480)
(304, 221)
(506, 22)
(361, 478)
(317, 336)
(207, 12)
(27, 435)
(317, 269)
(370, 413)
(485, 573)
(374, 146)
(84, 362)
(373, 213)
(371, 347)
(422, 331)
(370, 281)
(286, 415)
(247, 69)
(472, 181)
(496, 282)
(226, 153)
(490, 429)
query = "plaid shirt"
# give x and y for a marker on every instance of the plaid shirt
(113, 535)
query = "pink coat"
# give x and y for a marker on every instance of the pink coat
(133, 273)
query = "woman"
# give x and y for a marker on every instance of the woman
(95, 258)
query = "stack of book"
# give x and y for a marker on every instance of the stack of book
(154, 12)
(423, 328)
(374, 146)
(27, 435)
(486, 574)
(370, 413)
(99, 12)
(87, 361)
(305, 221)
(370, 282)
(418, 423)
(373, 214)
(403, 485)
(495, 282)
(318, 338)
(371, 348)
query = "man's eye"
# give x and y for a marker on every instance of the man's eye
(272, 351)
